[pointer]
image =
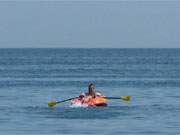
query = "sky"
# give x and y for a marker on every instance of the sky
(89, 24)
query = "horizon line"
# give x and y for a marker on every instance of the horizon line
(88, 48)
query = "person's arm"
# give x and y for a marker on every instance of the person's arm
(98, 94)
(82, 95)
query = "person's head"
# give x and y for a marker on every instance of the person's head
(91, 88)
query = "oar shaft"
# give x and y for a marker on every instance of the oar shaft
(77, 97)
(113, 97)
(66, 100)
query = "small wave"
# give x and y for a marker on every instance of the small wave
(75, 112)
(84, 112)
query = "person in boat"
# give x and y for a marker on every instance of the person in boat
(91, 92)
(90, 98)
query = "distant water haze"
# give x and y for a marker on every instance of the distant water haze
(85, 24)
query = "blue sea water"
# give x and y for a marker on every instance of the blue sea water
(29, 78)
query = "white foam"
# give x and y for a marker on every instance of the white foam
(78, 105)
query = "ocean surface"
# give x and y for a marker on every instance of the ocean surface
(30, 78)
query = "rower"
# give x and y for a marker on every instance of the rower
(91, 92)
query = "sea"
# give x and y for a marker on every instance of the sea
(30, 78)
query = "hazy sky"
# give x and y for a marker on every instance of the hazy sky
(120, 24)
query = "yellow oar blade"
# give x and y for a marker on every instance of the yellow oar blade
(126, 98)
(52, 103)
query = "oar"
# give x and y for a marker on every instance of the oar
(124, 98)
(53, 103)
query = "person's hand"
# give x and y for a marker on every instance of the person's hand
(81, 96)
